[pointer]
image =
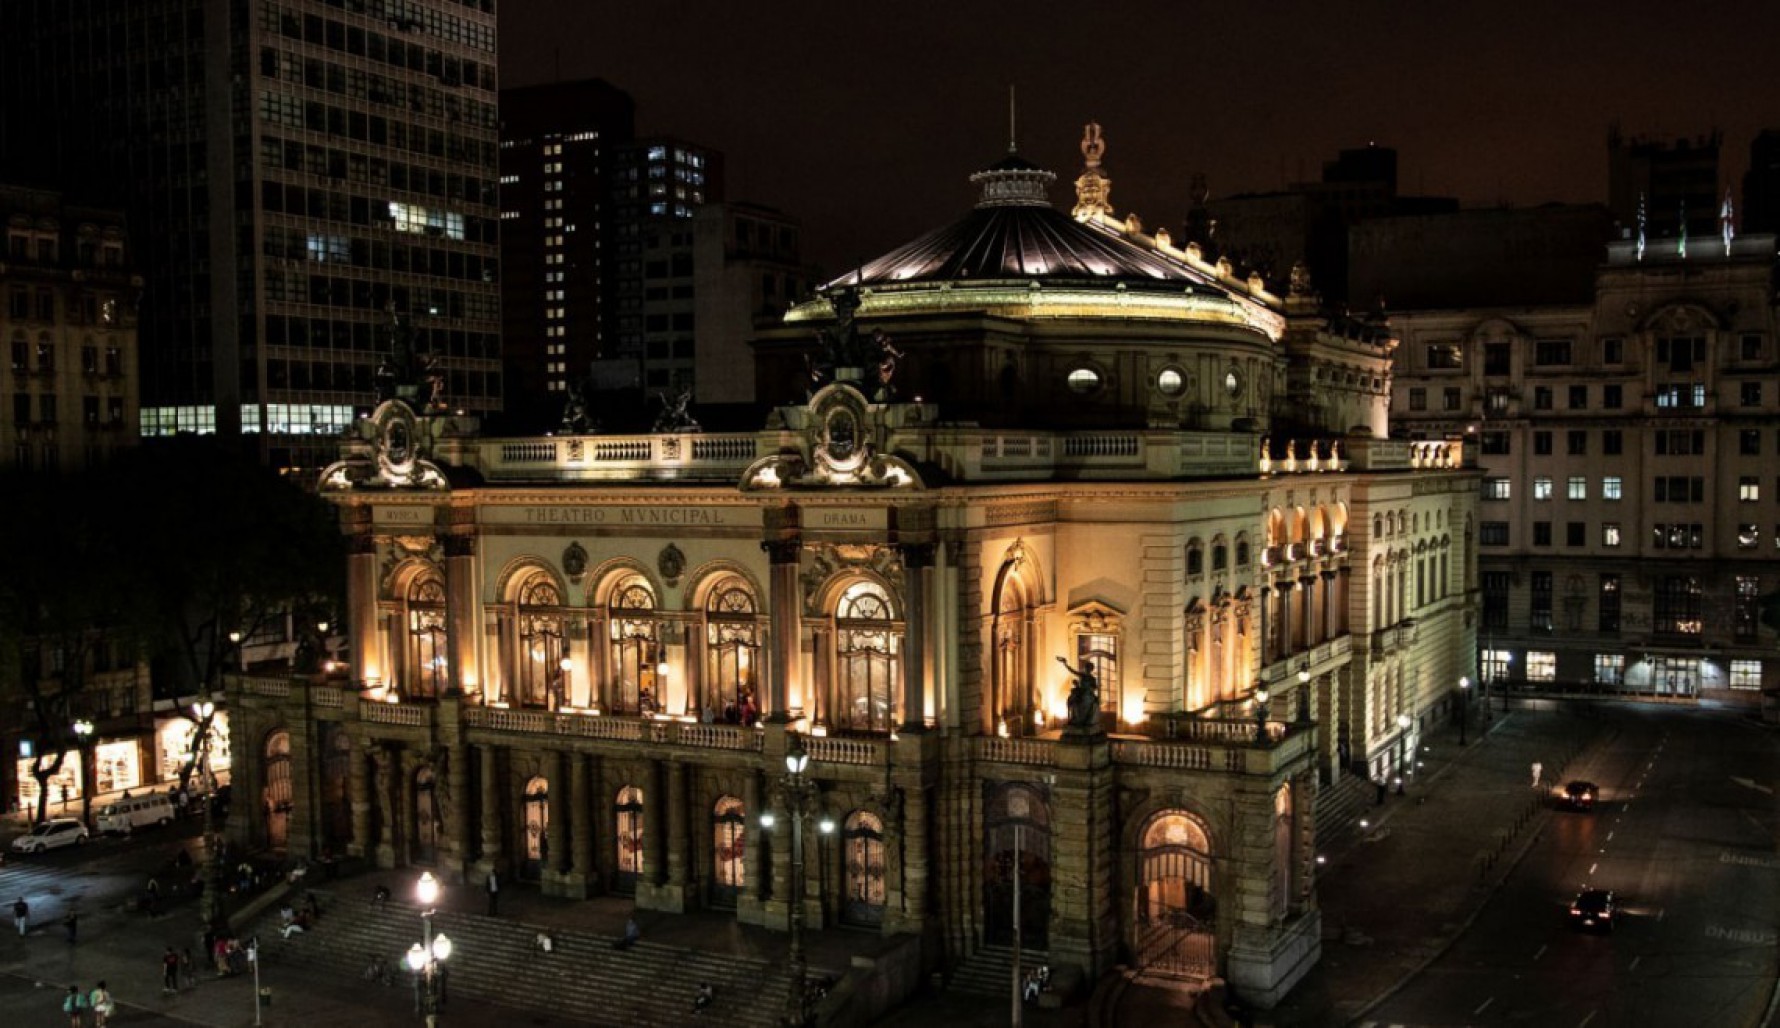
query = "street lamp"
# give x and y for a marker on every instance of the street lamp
(1260, 714)
(1464, 706)
(426, 959)
(1304, 693)
(83, 740)
(798, 792)
(1402, 744)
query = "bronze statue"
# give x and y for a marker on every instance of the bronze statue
(1084, 695)
(674, 416)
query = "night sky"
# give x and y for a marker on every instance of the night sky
(864, 120)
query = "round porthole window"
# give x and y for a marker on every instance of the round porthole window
(1232, 383)
(1084, 380)
(1170, 382)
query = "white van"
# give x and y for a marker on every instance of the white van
(132, 812)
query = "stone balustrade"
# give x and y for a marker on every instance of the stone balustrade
(1015, 751)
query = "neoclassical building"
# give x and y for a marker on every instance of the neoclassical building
(1028, 437)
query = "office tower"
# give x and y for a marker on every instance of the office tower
(1666, 180)
(558, 143)
(296, 173)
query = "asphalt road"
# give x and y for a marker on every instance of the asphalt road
(1687, 835)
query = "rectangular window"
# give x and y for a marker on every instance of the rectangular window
(1612, 396)
(1576, 487)
(1542, 444)
(1747, 618)
(1745, 674)
(1541, 488)
(1749, 347)
(1498, 359)
(1611, 486)
(1495, 398)
(1497, 489)
(1101, 652)
(1678, 605)
(1612, 442)
(1541, 533)
(1609, 668)
(1495, 664)
(1551, 352)
(1680, 442)
(1608, 612)
(1495, 600)
(1576, 442)
(1748, 489)
(1748, 536)
(1579, 397)
(1495, 443)
(1541, 397)
(1680, 489)
(1749, 442)
(1542, 666)
(1444, 355)
(1575, 533)
(1610, 533)
(1750, 394)
(1612, 350)
(1449, 399)
(1492, 533)
(1418, 399)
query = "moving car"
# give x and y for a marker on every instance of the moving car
(1580, 795)
(51, 835)
(1593, 908)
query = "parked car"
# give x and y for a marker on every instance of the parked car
(52, 835)
(1580, 795)
(1593, 908)
(132, 812)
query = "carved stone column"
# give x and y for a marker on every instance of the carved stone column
(917, 563)
(463, 614)
(750, 905)
(1266, 639)
(457, 821)
(582, 818)
(785, 599)
(361, 603)
(493, 857)
(1343, 583)
(382, 790)
(1328, 591)
(1286, 646)
(358, 784)
(557, 827)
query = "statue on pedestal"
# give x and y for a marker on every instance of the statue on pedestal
(1084, 696)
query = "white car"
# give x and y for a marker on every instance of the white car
(52, 834)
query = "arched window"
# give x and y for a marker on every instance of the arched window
(1195, 557)
(540, 643)
(1220, 554)
(729, 833)
(1014, 701)
(1282, 852)
(868, 647)
(628, 824)
(862, 854)
(732, 649)
(537, 825)
(427, 665)
(636, 650)
(1242, 551)
(277, 791)
(1176, 911)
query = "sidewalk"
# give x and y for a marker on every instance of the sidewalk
(1401, 894)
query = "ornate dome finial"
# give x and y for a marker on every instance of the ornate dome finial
(1014, 181)
(1093, 188)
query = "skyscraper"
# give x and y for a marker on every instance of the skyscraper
(295, 173)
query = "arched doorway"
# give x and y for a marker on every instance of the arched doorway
(336, 790)
(729, 830)
(628, 817)
(862, 841)
(537, 823)
(1017, 855)
(426, 819)
(1176, 920)
(277, 792)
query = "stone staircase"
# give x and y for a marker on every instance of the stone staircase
(583, 979)
(1339, 808)
(989, 971)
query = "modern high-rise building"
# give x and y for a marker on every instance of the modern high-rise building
(558, 145)
(747, 271)
(1668, 180)
(1761, 185)
(69, 325)
(296, 173)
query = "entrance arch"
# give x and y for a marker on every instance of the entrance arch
(276, 795)
(729, 831)
(1176, 920)
(862, 849)
(537, 825)
(1017, 820)
(628, 813)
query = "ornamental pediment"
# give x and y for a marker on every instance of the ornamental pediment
(841, 439)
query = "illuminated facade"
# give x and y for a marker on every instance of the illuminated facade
(586, 667)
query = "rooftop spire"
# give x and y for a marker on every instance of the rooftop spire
(1013, 135)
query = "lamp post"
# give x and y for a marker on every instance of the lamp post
(210, 904)
(426, 959)
(1402, 749)
(1304, 693)
(1260, 714)
(1501, 673)
(83, 742)
(1464, 706)
(798, 792)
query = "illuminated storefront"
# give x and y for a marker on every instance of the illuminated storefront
(117, 766)
(173, 744)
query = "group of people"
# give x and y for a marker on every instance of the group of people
(299, 919)
(77, 1002)
(735, 712)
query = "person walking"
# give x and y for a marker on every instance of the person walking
(1538, 772)
(493, 885)
(102, 1005)
(21, 915)
(169, 972)
(74, 1004)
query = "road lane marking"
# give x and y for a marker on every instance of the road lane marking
(1662, 912)
(1634, 966)
(1609, 836)
(1586, 1020)
(1591, 869)
(1485, 1006)
(1541, 952)
(1747, 936)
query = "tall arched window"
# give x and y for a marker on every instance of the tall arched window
(540, 643)
(277, 792)
(868, 648)
(628, 821)
(1013, 694)
(862, 842)
(1176, 912)
(537, 825)
(1282, 852)
(635, 636)
(729, 832)
(732, 647)
(427, 666)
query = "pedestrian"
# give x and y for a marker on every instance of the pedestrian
(702, 998)
(188, 974)
(74, 1004)
(71, 925)
(631, 934)
(169, 972)
(21, 915)
(102, 1005)
(1538, 770)
(493, 884)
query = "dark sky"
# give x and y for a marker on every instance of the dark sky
(864, 120)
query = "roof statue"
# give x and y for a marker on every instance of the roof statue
(1093, 188)
(1300, 285)
(846, 354)
(674, 416)
(575, 418)
(405, 373)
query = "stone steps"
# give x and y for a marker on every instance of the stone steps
(1339, 808)
(583, 979)
(989, 971)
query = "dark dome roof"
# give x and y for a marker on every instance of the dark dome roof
(1015, 233)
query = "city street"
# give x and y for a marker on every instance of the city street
(1685, 834)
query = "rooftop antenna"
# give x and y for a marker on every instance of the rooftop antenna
(1011, 122)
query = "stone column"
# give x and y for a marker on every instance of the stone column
(358, 784)
(1343, 583)
(1328, 592)
(556, 829)
(917, 563)
(1307, 611)
(463, 614)
(785, 600)
(750, 905)
(1286, 643)
(361, 603)
(581, 830)
(493, 858)
(1084, 915)
(1266, 648)
(457, 821)
(382, 789)
(675, 897)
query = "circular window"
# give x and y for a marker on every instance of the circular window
(1232, 383)
(1084, 380)
(1170, 382)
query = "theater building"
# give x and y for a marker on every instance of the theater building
(1028, 436)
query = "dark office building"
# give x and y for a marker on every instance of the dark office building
(558, 145)
(1668, 178)
(294, 172)
(1761, 185)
